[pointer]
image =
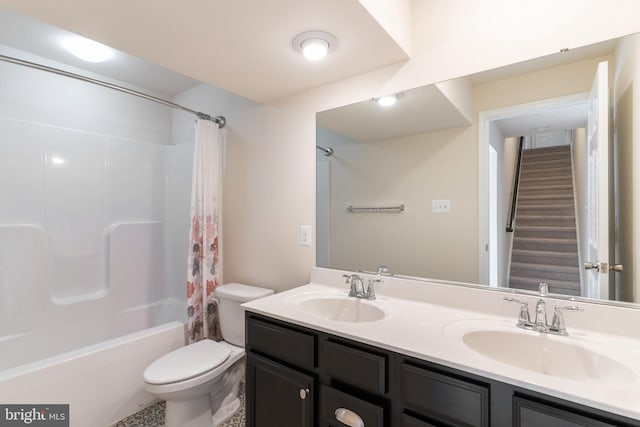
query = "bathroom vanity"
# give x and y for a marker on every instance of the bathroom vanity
(309, 364)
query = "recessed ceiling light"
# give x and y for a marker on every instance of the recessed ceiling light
(314, 45)
(387, 100)
(87, 50)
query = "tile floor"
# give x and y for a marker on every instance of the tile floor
(153, 416)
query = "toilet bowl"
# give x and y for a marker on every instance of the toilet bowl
(200, 381)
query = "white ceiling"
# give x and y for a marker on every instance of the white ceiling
(36, 37)
(417, 111)
(244, 47)
(571, 117)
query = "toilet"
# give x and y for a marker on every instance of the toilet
(200, 382)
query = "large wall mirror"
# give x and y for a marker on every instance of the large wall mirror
(506, 178)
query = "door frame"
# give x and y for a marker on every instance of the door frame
(485, 119)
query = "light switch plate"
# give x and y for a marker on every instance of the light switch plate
(305, 235)
(440, 206)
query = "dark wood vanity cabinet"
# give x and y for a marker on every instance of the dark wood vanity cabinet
(300, 377)
(305, 378)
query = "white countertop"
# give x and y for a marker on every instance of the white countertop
(415, 327)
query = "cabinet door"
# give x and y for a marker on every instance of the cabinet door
(277, 395)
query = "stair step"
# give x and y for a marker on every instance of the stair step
(546, 231)
(544, 257)
(528, 190)
(545, 173)
(553, 245)
(550, 220)
(546, 272)
(546, 163)
(555, 150)
(554, 210)
(545, 198)
(526, 181)
(543, 150)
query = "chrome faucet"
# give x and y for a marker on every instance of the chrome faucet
(540, 323)
(356, 284)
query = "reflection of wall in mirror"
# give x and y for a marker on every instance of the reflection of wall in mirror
(625, 137)
(413, 170)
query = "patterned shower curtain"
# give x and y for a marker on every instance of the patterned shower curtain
(205, 237)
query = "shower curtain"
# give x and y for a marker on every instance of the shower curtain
(205, 237)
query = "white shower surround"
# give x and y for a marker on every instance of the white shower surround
(93, 240)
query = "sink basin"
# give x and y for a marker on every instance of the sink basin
(548, 355)
(343, 309)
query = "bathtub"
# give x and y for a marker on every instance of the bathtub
(101, 381)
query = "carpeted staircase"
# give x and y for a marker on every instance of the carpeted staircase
(544, 242)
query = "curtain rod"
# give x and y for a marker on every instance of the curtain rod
(220, 120)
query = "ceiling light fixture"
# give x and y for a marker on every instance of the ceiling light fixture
(314, 45)
(387, 100)
(87, 50)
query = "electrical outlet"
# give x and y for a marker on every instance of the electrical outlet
(440, 206)
(305, 235)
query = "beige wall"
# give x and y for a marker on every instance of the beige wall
(413, 171)
(270, 190)
(626, 116)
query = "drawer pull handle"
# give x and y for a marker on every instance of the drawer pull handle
(303, 393)
(349, 418)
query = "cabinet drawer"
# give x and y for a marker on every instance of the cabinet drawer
(443, 397)
(527, 413)
(332, 400)
(288, 345)
(408, 421)
(355, 367)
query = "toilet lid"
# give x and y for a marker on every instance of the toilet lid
(187, 362)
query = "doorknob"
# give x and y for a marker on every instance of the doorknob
(603, 267)
(592, 266)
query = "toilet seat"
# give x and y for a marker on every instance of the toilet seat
(187, 362)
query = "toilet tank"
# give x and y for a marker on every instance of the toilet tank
(230, 296)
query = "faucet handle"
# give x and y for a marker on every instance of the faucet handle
(371, 292)
(524, 320)
(383, 270)
(349, 277)
(557, 323)
(543, 288)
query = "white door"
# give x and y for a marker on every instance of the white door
(493, 218)
(597, 254)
